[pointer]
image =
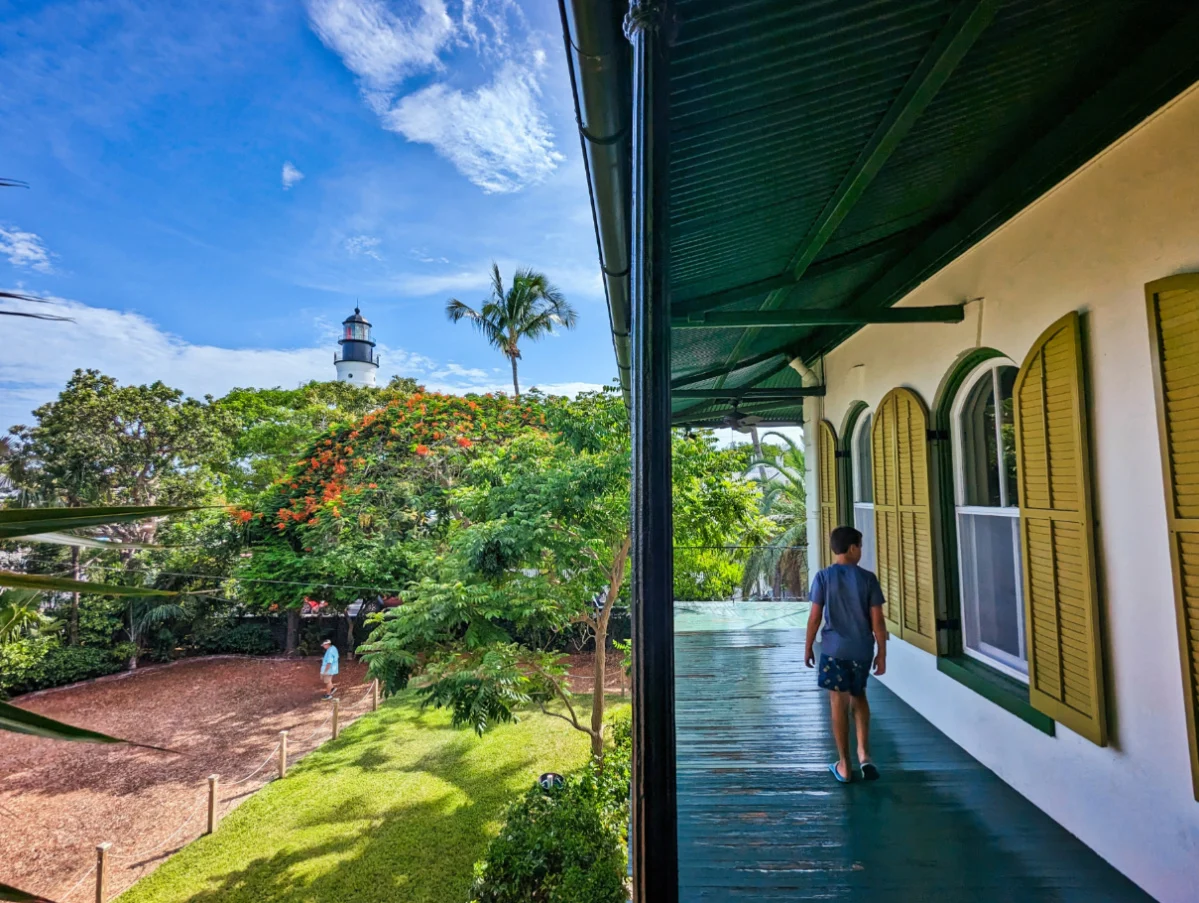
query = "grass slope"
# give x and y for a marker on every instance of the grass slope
(399, 808)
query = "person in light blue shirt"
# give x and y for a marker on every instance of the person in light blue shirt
(848, 601)
(329, 667)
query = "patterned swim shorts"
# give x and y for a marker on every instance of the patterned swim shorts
(843, 675)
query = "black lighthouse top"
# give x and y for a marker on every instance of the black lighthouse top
(355, 341)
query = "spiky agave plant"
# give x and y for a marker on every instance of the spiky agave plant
(784, 504)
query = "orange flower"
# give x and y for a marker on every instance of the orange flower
(422, 450)
(464, 442)
(373, 485)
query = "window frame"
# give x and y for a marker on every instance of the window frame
(863, 421)
(985, 369)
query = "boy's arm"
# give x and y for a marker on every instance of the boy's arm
(879, 626)
(815, 617)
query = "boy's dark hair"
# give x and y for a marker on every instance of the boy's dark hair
(844, 537)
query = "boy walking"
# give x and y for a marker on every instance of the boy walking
(848, 600)
(329, 667)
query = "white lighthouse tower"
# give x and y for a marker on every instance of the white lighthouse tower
(356, 362)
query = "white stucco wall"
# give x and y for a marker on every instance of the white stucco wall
(1127, 218)
(364, 374)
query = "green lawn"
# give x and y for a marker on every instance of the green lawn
(398, 809)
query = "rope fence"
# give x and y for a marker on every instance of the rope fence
(209, 801)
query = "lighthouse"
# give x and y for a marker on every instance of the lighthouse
(356, 362)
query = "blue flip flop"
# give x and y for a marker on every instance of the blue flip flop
(837, 774)
(869, 771)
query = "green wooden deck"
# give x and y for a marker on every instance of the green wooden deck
(760, 817)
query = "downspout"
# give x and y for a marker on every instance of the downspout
(597, 56)
(813, 413)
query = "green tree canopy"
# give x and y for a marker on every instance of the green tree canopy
(540, 542)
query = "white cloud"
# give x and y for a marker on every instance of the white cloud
(424, 257)
(363, 246)
(497, 135)
(24, 249)
(377, 45)
(291, 175)
(40, 356)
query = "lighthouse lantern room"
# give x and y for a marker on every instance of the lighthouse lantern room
(356, 362)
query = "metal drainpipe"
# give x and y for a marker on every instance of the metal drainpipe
(597, 56)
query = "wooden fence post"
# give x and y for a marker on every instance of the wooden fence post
(334, 719)
(375, 695)
(102, 872)
(212, 811)
(282, 753)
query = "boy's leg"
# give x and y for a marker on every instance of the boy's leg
(839, 705)
(861, 723)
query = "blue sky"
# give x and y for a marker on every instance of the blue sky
(213, 185)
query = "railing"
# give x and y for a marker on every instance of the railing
(338, 357)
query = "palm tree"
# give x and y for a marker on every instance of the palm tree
(784, 503)
(528, 310)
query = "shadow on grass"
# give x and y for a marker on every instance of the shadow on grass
(330, 832)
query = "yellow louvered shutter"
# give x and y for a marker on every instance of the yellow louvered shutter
(1174, 335)
(903, 517)
(1061, 605)
(827, 442)
(886, 512)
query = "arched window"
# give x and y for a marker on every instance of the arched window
(863, 487)
(988, 519)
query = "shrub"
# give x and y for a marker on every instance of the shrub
(68, 664)
(567, 844)
(20, 661)
(41, 664)
(240, 639)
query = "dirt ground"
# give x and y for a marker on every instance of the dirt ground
(222, 715)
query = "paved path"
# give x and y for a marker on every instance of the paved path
(761, 819)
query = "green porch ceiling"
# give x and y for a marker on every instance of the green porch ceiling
(829, 155)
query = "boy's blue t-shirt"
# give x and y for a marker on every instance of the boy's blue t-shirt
(847, 593)
(329, 663)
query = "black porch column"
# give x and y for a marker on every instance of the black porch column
(653, 847)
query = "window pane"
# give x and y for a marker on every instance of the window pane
(863, 475)
(863, 520)
(980, 456)
(1007, 431)
(992, 611)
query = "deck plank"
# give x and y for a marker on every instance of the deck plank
(761, 819)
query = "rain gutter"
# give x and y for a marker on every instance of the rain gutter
(597, 56)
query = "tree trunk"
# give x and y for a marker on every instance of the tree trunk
(597, 692)
(515, 383)
(293, 631)
(350, 636)
(598, 698)
(73, 624)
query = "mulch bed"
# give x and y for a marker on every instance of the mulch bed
(222, 715)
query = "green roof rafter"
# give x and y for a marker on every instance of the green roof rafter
(968, 21)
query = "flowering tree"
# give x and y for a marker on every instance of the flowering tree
(539, 544)
(347, 519)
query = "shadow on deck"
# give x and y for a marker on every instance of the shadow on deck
(760, 817)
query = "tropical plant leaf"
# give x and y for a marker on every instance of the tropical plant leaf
(87, 542)
(22, 721)
(15, 894)
(33, 316)
(20, 523)
(67, 585)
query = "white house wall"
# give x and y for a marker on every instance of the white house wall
(1127, 218)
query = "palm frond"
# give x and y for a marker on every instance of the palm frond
(33, 316)
(66, 585)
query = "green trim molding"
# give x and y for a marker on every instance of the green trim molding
(1004, 691)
